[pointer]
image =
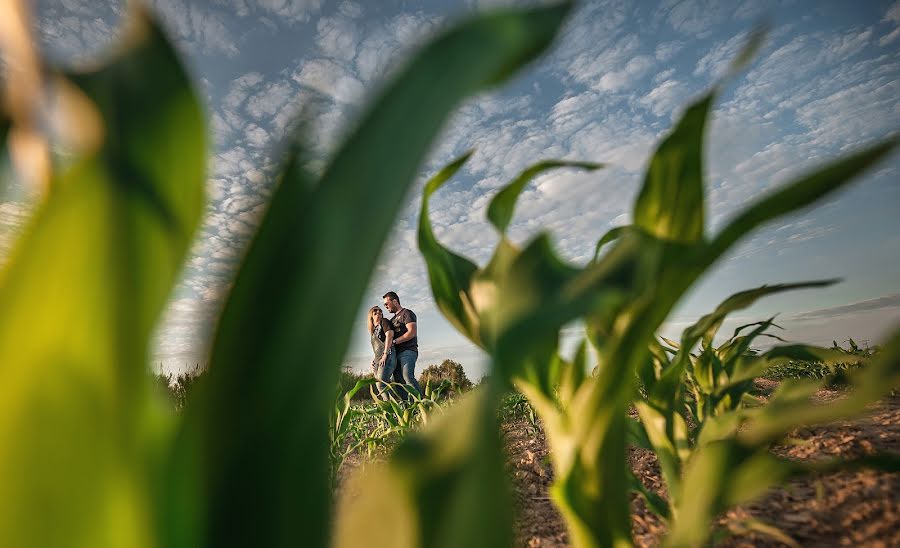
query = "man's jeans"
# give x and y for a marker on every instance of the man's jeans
(407, 359)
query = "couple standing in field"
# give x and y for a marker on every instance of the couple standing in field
(395, 343)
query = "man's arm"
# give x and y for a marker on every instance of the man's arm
(410, 333)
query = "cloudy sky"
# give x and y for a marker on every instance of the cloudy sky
(827, 81)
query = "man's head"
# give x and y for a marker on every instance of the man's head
(391, 302)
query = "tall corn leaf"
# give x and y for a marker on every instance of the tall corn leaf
(500, 210)
(265, 415)
(450, 274)
(670, 205)
(79, 299)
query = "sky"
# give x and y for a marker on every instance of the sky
(826, 82)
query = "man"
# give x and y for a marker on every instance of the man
(406, 341)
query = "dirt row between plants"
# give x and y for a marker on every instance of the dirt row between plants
(853, 508)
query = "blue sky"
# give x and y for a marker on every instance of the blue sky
(827, 81)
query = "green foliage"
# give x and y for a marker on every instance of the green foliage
(515, 306)
(348, 379)
(81, 431)
(697, 399)
(448, 370)
(835, 375)
(514, 406)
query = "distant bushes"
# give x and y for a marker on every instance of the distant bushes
(447, 370)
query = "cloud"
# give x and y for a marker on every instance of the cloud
(289, 11)
(893, 13)
(886, 301)
(665, 98)
(199, 28)
(667, 50)
(889, 38)
(694, 17)
(715, 63)
(633, 70)
(331, 80)
(891, 16)
(384, 49)
(337, 37)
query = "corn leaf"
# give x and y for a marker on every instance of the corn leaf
(610, 236)
(265, 417)
(798, 194)
(80, 297)
(450, 275)
(500, 211)
(670, 204)
(707, 327)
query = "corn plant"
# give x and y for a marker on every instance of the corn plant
(386, 421)
(83, 445)
(344, 432)
(515, 305)
(692, 398)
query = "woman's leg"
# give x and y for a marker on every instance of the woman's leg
(385, 373)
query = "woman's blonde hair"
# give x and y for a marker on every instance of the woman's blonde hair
(371, 321)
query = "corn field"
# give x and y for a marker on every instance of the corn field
(90, 456)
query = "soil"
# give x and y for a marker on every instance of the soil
(850, 508)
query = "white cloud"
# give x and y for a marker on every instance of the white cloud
(270, 99)
(384, 49)
(715, 63)
(331, 80)
(198, 28)
(632, 71)
(893, 13)
(290, 11)
(694, 17)
(889, 38)
(891, 16)
(665, 98)
(591, 65)
(337, 37)
(667, 50)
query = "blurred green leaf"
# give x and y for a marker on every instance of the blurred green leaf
(311, 245)
(611, 235)
(80, 297)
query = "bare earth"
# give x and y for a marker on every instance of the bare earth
(858, 508)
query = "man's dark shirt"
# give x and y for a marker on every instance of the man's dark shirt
(399, 322)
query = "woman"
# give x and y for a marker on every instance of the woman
(382, 335)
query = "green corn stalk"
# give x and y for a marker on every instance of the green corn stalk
(343, 422)
(515, 306)
(694, 398)
(732, 459)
